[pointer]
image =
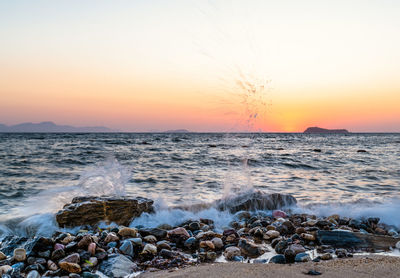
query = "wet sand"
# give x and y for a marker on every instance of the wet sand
(365, 266)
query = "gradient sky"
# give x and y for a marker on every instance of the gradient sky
(202, 65)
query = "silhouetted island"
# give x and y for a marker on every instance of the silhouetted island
(50, 127)
(324, 130)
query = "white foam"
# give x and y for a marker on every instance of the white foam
(177, 216)
(387, 210)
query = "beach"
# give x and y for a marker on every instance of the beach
(360, 267)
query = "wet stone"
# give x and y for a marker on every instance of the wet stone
(326, 256)
(278, 259)
(302, 257)
(289, 255)
(281, 246)
(70, 267)
(127, 248)
(250, 249)
(19, 254)
(33, 274)
(231, 252)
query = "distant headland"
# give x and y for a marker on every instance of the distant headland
(50, 127)
(324, 130)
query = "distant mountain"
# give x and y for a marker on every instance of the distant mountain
(324, 130)
(177, 131)
(51, 127)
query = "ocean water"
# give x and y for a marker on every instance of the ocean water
(39, 173)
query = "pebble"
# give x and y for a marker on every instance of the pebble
(179, 231)
(398, 245)
(70, 267)
(163, 245)
(127, 232)
(111, 237)
(2, 256)
(250, 249)
(33, 274)
(92, 248)
(289, 255)
(302, 257)
(73, 258)
(127, 248)
(272, 234)
(326, 256)
(231, 252)
(51, 265)
(19, 254)
(278, 259)
(218, 243)
(207, 244)
(136, 241)
(85, 241)
(150, 239)
(149, 249)
(278, 213)
(57, 254)
(308, 237)
(4, 269)
(190, 243)
(68, 239)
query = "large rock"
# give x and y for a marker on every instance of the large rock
(91, 210)
(347, 239)
(256, 200)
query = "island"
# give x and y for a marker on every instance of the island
(50, 127)
(316, 130)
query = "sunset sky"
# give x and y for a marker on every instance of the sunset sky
(276, 66)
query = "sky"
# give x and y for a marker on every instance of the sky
(272, 66)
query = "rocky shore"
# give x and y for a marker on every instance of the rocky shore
(272, 235)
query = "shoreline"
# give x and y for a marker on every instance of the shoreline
(359, 266)
(262, 235)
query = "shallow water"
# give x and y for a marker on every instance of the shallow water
(41, 172)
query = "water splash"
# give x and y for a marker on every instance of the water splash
(37, 217)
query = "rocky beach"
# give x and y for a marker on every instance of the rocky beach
(97, 238)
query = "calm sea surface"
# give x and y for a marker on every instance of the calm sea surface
(184, 168)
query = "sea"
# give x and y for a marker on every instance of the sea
(354, 175)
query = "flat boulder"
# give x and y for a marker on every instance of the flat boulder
(346, 239)
(256, 200)
(91, 210)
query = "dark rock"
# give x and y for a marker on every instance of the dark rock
(256, 200)
(194, 226)
(88, 274)
(91, 210)
(84, 255)
(281, 246)
(278, 259)
(356, 240)
(168, 254)
(157, 232)
(191, 243)
(57, 254)
(302, 257)
(250, 249)
(313, 272)
(289, 255)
